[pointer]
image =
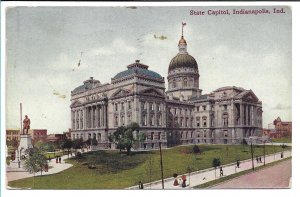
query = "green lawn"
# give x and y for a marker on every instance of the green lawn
(282, 140)
(52, 155)
(115, 170)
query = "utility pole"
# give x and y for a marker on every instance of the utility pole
(161, 167)
(264, 152)
(252, 155)
(21, 130)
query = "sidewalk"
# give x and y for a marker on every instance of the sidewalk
(203, 176)
(19, 173)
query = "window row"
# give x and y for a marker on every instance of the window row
(151, 106)
(121, 105)
(144, 120)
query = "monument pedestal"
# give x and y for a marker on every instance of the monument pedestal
(25, 143)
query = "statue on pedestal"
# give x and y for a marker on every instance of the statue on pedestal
(26, 125)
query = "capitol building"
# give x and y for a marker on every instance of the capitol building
(179, 115)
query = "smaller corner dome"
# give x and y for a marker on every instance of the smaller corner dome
(137, 68)
(183, 60)
(87, 85)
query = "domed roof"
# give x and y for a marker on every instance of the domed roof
(137, 68)
(183, 60)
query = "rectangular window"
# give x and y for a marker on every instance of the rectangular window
(204, 107)
(122, 106)
(129, 104)
(116, 107)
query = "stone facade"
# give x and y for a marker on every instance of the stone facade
(180, 115)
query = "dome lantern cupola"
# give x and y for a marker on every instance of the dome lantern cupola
(182, 45)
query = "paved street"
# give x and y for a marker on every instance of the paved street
(203, 176)
(277, 176)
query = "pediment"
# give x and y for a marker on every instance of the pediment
(151, 92)
(249, 96)
(121, 93)
(76, 104)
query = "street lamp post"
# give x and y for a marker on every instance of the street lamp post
(252, 154)
(161, 167)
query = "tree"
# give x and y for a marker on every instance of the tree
(67, 144)
(215, 163)
(78, 144)
(124, 138)
(35, 161)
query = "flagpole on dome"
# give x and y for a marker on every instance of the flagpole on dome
(183, 24)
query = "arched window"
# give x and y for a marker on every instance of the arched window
(174, 83)
(185, 82)
(116, 121)
(204, 119)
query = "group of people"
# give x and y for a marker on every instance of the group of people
(58, 159)
(180, 181)
(258, 159)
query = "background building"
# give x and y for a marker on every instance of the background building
(38, 135)
(283, 127)
(13, 134)
(180, 115)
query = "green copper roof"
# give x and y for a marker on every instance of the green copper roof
(139, 69)
(183, 60)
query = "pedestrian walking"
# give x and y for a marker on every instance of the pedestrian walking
(257, 160)
(260, 160)
(56, 159)
(221, 172)
(59, 159)
(238, 163)
(46, 168)
(183, 181)
(141, 186)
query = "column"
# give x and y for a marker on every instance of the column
(91, 117)
(251, 114)
(155, 113)
(72, 119)
(148, 112)
(105, 115)
(97, 115)
(241, 114)
(247, 115)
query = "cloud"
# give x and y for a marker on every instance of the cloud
(118, 46)
(280, 106)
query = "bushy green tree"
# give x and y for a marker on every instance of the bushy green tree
(124, 138)
(216, 162)
(78, 144)
(67, 144)
(35, 161)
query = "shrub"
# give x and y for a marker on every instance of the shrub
(196, 149)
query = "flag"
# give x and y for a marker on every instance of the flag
(183, 24)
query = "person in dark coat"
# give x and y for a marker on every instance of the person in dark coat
(221, 171)
(141, 186)
(56, 159)
(59, 159)
(257, 160)
(238, 163)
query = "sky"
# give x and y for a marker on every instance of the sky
(44, 45)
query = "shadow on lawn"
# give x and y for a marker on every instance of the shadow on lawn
(112, 161)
